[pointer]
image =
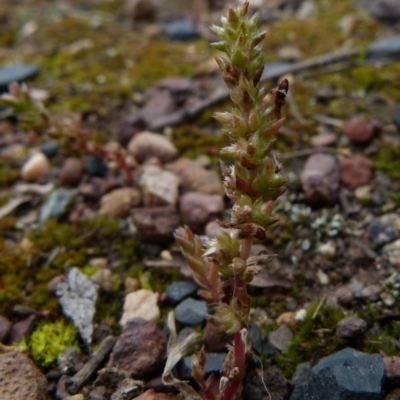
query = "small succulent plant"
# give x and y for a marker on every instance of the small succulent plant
(252, 181)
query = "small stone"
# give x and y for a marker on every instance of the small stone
(78, 396)
(363, 194)
(388, 299)
(392, 371)
(181, 30)
(20, 379)
(16, 73)
(191, 312)
(327, 249)
(289, 53)
(95, 166)
(56, 205)
(355, 171)
(372, 292)
(147, 145)
(351, 328)
(5, 327)
(384, 229)
(71, 172)
(141, 10)
(119, 202)
(141, 304)
(300, 314)
(383, 49)
(215, 340)
(323, 278)
(323, 139)
(360, 129)
(156, 224)
(281, 337)
(178, 291)
(35, 168)
(344, 295)
(103, 279)
(198, 209)
(77, 297)
(152, 395)
(213, 365)
(159, 187)
(392, 252)
(49, 149)
(255, 339)
(288, 318)
(320, 180)
(140, 350)
(194, 178)
(346, 374)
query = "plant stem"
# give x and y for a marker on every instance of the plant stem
(245, 248)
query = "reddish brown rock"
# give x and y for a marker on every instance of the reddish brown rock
(20, 379)
(392, 370)
(198, 209)
(320, 180)
(351, 328)
(71, 172)
(360, 129)
(140, 350)
(355, 171)
(156, 224)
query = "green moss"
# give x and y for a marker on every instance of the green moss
(50, 339)
(388, 160)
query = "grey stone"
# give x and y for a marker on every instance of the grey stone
(384, 229)
(16, 73)
(178, 291)
(347, 374)
(191, 312)
(181, 30)
(384, 48)
(77, 297)
(95, 166)
(281, 337)
(213, 364)
(56, 205)
(49, 149)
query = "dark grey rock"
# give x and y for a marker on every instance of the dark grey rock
(94, 166)
(16, 73)
(191, 312)
(181, 30)
(5, 326)
(396, 117)
(384, 48)
(178, 291)
(56, 205)
(49, 149)
(254, 337)
(280, 338)
(384, 10)
(347, 374)
(383, 230)
(77, 297)
(213, 365)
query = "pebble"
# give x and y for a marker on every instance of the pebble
(388, 299)
(147, 145)
(20, 379)
(289, 53)
(95, 166)
(396, 117)
(392, 371)
(178, 291)
(213, 365)
(49, 149)
(35, 168)
(198, 209)
(195, 178)
(363, 194)
(327, 249)
(191, 312)
(140, 349)
(288, 318)
(320, 180)
(351, 328)
(78, 396)
(371, 292)
(281, 337)
(71, 172)
(323, 139)
(255, 339)
(56, 205)
(140, 304)
(156, 224)
(131, 284)
(215, 340)
(355, 171)
(152, 395)
(323, 278)
(159, 187)
(16, 73)
(360, 129)
(181, 30)
(382, 49)
(103, 279)
(5, 327)
(344, 295)
(119, 202)
(346, 374)
(392, 252)
(384, 229)
(77, 297)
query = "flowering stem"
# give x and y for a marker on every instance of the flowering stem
(245, 247)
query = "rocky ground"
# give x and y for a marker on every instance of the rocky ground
(128, 151)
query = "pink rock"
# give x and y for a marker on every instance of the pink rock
(323, 139)
(351, 328)
(355, 171)
(198, 209)
(71, 172)
(360, 129)
(320, 180)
